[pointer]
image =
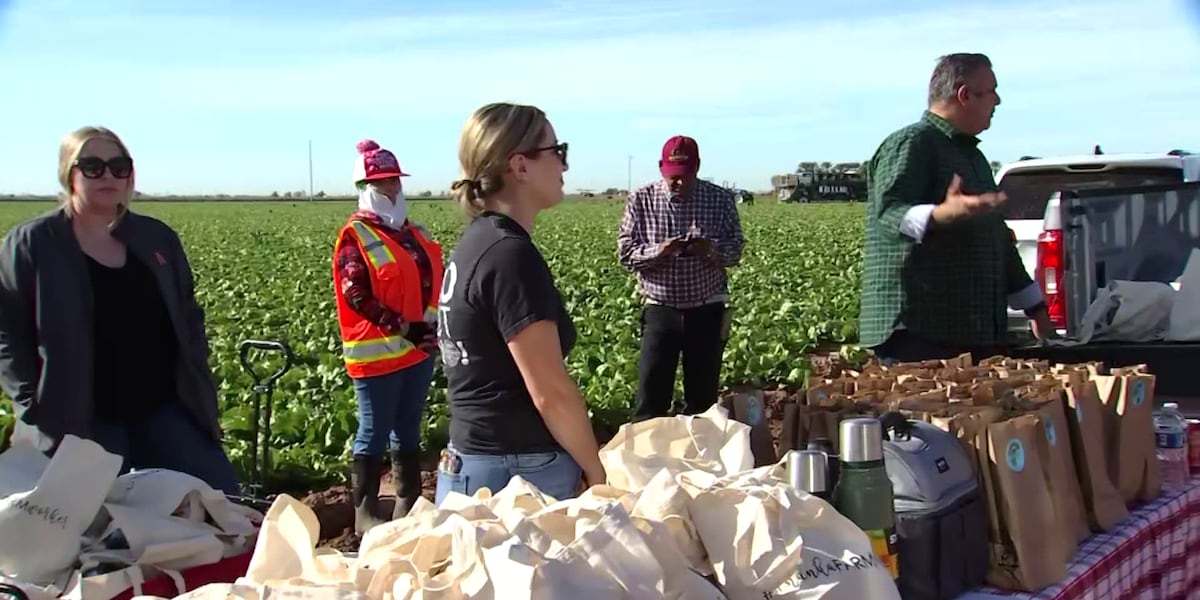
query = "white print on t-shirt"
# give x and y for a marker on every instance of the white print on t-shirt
(453, 352)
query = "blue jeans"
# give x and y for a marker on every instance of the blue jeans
(391, 406)
(556, 474)
(168, 438)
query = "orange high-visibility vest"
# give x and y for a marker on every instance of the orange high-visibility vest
(367, 349)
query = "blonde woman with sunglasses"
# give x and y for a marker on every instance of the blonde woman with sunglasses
(502, 325)
(100, 332)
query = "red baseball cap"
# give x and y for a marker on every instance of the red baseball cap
(680, 156)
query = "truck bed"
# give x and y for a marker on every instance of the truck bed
(1143, 233)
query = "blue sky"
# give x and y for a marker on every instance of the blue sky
(223, 96)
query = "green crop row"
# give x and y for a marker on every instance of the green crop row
(263, 271)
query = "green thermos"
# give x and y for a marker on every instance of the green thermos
(863, 492)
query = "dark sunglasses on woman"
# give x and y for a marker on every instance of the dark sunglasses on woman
(93, 167)
(560, 150)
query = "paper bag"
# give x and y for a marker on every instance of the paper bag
(827, 395)
(709, 442)
(1089, 444)
(803, 424)
(967, 424)
(767, 540)
(1128, 395)
(747, 406)
(1028, 554)
(41, 526)
(1062, 477)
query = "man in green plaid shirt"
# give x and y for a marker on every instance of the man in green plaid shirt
(941, 265)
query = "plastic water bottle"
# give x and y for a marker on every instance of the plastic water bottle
(1170, 437)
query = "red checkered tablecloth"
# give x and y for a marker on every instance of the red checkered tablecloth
(1152, 555)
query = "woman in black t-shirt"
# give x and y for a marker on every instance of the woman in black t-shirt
(502, 326)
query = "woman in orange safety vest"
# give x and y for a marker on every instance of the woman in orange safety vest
(387, 275)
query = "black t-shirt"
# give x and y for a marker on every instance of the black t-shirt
(496, 283)
(136, 351)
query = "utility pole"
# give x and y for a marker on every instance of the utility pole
(629, 175)
(310, 172)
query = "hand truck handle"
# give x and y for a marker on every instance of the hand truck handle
(281, 347)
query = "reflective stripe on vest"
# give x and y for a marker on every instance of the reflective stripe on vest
(380, 255)
(375, 350)
(377, 251)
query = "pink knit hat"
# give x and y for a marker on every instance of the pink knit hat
(374, 162)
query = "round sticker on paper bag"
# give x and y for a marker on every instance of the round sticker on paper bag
(1051, 435)
(1139, 392)
(1014, 454)
(754, 411)
(1079, 412)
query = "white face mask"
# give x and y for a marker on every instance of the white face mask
(392, 213)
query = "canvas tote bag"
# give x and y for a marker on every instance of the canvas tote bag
(709, 442)
(46, 505)
(767, 540)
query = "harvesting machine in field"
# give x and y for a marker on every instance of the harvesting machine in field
(821, 182)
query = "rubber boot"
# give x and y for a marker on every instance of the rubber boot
(364, 489)
(406, 476)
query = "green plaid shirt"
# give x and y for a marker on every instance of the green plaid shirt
(953, 285)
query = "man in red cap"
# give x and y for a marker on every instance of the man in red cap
(678, 235)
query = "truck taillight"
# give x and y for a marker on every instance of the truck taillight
(1049, 275)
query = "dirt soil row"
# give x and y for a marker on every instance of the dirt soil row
(335, 509)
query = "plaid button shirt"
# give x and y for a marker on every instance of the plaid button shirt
(952, 286)
(653, 215)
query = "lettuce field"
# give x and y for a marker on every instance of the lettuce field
(263, 271)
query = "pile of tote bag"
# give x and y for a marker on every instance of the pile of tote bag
(70, 527)
(684, 514)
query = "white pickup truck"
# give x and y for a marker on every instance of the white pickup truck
(1031, 211)
(1083, 221)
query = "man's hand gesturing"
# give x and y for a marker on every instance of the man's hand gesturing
(959, 205)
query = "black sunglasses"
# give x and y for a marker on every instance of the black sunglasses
(93, 167)
(560, 150)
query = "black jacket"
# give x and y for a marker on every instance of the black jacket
(46, 325)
